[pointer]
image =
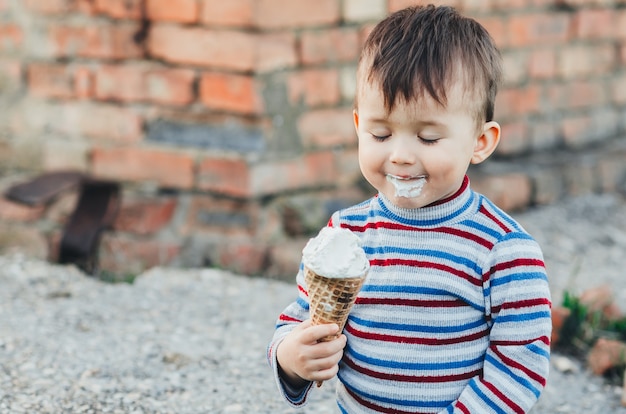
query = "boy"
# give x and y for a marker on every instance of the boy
(454, 316)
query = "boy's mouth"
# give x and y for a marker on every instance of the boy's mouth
(407, 186)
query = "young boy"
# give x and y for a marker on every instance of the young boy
(454, 316)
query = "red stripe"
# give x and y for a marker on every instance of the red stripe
(494, 219)
(516, 408)
(287, 318)
(462, 407)
(528, 303)
(303, 290)
(512, 363)
(394, 226)
(414, 340)
(411, 378)
(543, 339)
(518, 263)
(426, 265)
(457, 303)
(378, 408)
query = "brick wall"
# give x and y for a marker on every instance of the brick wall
(229, 122)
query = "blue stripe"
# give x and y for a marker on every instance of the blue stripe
(303, 303)
(355, 217)
(418, 328)
(430, 222)
(425, 366)
(486, 230)
(486, 399)
(521, 380)
(524, 317)
(424, 252)
(539, 350)
(516, 277)
(406, 403)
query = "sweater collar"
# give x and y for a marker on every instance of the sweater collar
(462, 204)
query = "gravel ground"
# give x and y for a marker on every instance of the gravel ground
(193, 341)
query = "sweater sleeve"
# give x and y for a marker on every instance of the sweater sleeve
(294, 314)
(517, 303)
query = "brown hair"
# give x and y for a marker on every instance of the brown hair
(422, 49)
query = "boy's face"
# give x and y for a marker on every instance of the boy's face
(419, 153)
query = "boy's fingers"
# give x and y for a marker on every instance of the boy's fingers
(313, 333)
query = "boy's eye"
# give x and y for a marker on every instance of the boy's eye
(428, 141)
(380, 137)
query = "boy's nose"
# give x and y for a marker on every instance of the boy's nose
(402, 154)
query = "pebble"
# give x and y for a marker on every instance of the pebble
(193, 341)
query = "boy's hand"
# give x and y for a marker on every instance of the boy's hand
(301, 358)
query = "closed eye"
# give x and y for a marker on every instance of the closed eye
(380, 137)
(428, 141)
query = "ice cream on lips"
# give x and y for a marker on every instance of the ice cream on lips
(408, 188)
(335, 253)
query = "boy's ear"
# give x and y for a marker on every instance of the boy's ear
(487, 142)
(355, 116)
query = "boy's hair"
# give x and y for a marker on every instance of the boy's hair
(426, 49)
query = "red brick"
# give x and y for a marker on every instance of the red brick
(227, 92)
(119, 9)
(4, 6)
(327, 128)
(166, 168)
(228, 13)
(101, 121)
(50, 6)
(275, 51)
(515, 139)
(329, 46)
(139, 82)
(272, 14)
(285, 257)
(216, 216)
(13, 211)
(315, 87)
(246, 257)
(619, 89)
(10, 75)
(579, 94)
(621, 24)
(497, 28)
(11, 37)
(180, 11)
(584, 60)
(364, 10)
(50, 80)
(510, 191)
(103, 41)
(518, 101)
(145, 216)
(542, 64)
(309, 170)
(224, 175)
(84, 82)
(129, 256)
(538, 29)
(595, 23)
(204, 47)
(576, 131)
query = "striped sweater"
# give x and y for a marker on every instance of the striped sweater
(454, 316)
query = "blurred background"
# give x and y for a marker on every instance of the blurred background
(227, 124)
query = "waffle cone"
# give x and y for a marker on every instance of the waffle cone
(330, 299)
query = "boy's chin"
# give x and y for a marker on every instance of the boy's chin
(407, 202)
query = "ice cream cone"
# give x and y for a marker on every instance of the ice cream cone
(330, 299)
